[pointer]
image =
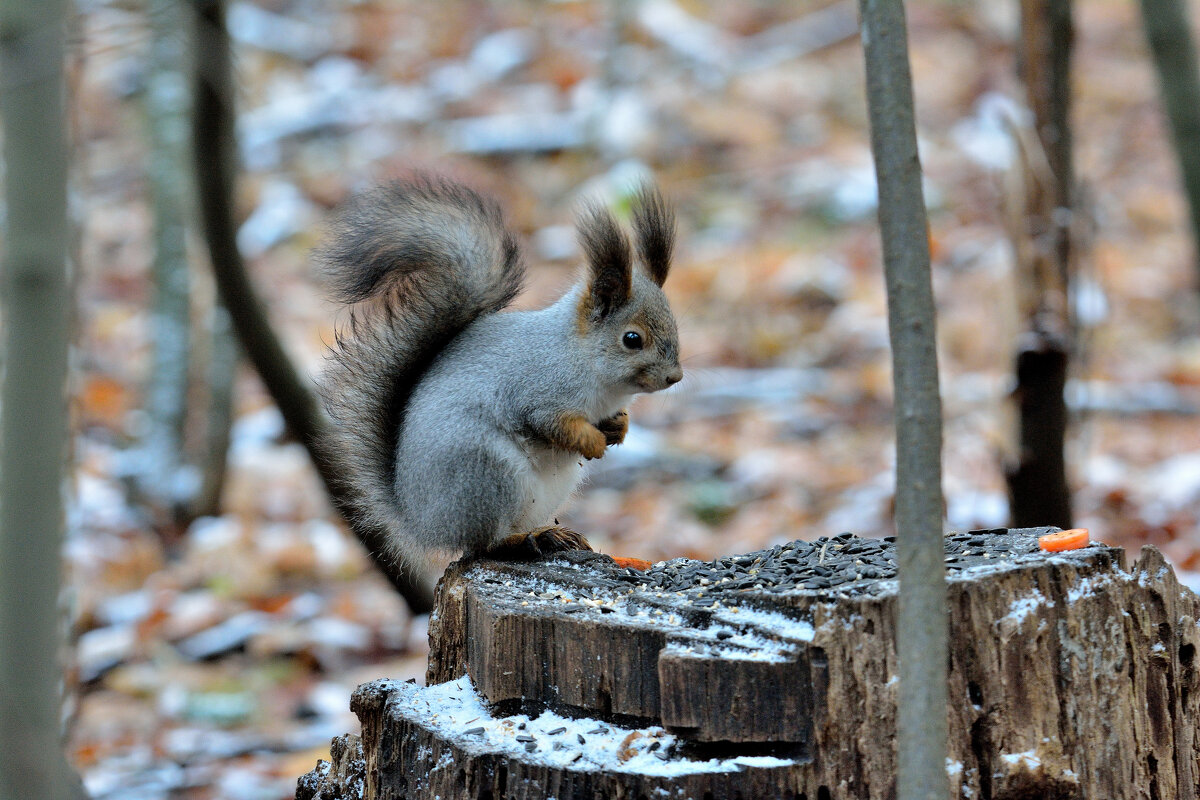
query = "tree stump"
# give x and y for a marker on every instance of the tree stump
(773, 674)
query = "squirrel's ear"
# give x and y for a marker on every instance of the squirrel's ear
(610, 264)
(654, 226)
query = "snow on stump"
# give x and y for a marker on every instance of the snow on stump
(773, 674)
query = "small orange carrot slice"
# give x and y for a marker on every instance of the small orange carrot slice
(632, 563)
(1064, 540)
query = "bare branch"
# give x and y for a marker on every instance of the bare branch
(214, 152)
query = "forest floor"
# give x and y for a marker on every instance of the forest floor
(218, 660)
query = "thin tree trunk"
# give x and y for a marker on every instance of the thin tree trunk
(921, 620)
(1037, 479)
(166, 111)
(213, 453)
(214, 152)
(33, 413)
(1168, 32)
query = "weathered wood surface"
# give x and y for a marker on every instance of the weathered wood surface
(1070, 677)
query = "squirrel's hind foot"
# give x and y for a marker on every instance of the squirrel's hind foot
(537, 544)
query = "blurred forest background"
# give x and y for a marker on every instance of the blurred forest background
(221, 615)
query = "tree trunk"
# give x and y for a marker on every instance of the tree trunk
(33, 409)
(1169, 34)
(918, 407)
(1040, 228)
(166, 109)
(213, 453)
(774, 674)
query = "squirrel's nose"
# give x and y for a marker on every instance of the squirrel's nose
(674, 376)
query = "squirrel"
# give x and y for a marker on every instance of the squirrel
(459, 428)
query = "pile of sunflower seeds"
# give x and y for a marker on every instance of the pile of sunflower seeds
(843, 563)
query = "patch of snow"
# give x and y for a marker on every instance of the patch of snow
(455, 711)
(774, 622)
(303, 40)
(736, 632)
(499, 53)
(1189, 579)
(555, 243)
(770, 652)
(1028, 759)
(98, 503)
(125, 608)
(304, 606)
(1022, 607)
(208, 534)
(1088, 585)
(1177, 481)
(516, 132)
(103, 648)
(977, 509)
(225, 636)
(1089, 302)
(339, 634)
(257, 430)
(987, 136)
(282, 212)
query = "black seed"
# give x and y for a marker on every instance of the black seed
(473, 732)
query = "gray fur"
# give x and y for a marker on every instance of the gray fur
(443, 407)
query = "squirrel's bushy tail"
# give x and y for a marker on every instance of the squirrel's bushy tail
(431, 256)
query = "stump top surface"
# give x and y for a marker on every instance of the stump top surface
(837, 567)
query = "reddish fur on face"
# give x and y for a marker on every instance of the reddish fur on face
(583, 313)
(573, 432)
(641, 321)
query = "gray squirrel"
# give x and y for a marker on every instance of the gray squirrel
(460, 429)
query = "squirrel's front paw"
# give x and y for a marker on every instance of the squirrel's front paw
(537, 544)
(573, 432)
(615, 427)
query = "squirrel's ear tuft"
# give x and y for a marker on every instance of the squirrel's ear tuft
(654, 226)
(610, 264)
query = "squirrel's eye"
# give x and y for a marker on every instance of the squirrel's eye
(632, 340)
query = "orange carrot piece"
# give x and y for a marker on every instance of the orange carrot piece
(1064, 540)
(632, 563)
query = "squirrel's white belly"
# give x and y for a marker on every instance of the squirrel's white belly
(551, 479)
